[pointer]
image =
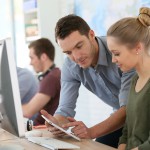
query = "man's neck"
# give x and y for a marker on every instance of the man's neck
(47, 66)
(94, 63)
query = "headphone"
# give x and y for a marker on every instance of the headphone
(41, 76)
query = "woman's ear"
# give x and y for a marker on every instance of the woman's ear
(139, 48)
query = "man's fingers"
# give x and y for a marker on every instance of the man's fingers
(71, 119)
(45, 113)
(49, 116)
(56, 131)
(72, 124)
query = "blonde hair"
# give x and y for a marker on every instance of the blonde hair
(132, 30)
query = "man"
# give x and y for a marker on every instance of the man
(42, 54)
(89, 62)
(28, 85)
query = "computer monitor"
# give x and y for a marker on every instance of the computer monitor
(11, 116)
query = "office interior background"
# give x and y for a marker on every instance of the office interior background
(27, 20)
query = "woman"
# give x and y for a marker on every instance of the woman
(129, 42)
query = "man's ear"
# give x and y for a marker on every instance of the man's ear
(91, 34)
(43, 57)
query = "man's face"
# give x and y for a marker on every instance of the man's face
(35, 61)
(79, 48)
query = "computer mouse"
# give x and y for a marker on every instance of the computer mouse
(33, 133)
(8, 146)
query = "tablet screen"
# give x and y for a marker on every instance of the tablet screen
(60, 128)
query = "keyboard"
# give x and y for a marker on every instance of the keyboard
(51, 143)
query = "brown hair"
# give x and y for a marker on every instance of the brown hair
(132, 30)
(43, 45)
(70, 23)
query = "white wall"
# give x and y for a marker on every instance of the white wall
(49, 11)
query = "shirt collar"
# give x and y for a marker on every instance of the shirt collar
(102, 60)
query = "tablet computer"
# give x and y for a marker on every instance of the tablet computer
(60, 128)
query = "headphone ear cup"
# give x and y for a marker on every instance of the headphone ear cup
(40, 77)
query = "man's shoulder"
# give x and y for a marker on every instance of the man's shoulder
(68, 61)
(70, 64)
(54, 74)
(25, 74)
(70, 67)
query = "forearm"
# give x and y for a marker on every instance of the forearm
(27, 112)
(35, 104)
(114, 122)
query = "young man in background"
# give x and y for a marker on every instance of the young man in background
(42, 53)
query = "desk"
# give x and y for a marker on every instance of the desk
(6, 137)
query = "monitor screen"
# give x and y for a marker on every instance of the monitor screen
(11, 116)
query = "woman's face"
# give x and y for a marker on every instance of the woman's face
(126, 58)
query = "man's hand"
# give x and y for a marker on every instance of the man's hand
(78, 128)
(52, 129)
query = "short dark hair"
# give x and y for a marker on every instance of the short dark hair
(70, 23)
(43, 45)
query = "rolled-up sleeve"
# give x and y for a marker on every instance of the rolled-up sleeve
(69, 92)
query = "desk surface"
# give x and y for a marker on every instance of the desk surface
(7, 138)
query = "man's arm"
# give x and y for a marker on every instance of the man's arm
(69, 89)
(122, 147)
(114, 122)
(35, 105)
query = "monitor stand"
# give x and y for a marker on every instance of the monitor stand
(8, 146)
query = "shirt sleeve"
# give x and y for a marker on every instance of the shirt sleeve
(123, 138)
(69, 92)
(125, 86)
(145, 145)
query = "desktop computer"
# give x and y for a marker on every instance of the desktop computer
(11, 116)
